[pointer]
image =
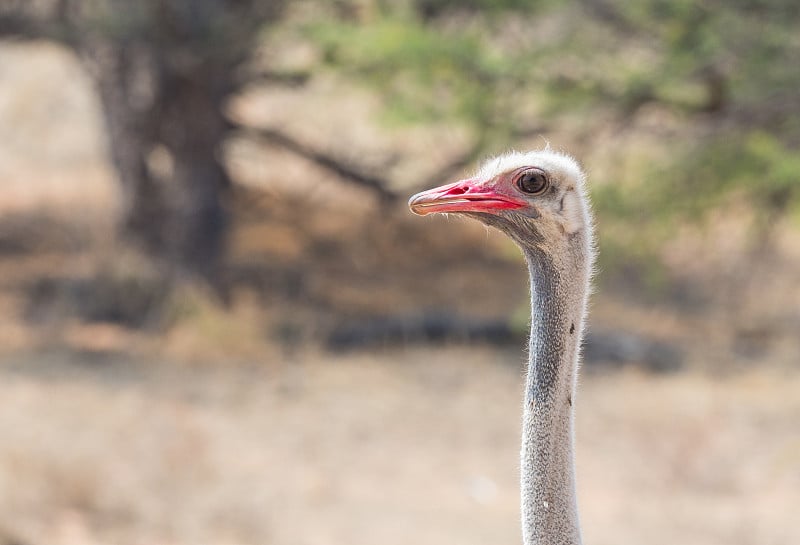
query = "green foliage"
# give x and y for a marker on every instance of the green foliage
(437, 89)
(756, 168)
(430, 73)
(724, 75)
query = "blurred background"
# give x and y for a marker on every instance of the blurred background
(221, 325)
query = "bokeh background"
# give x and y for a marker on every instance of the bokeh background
(222, 326)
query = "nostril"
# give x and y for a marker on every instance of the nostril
(457, 191)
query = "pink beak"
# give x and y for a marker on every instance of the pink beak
(462, 196)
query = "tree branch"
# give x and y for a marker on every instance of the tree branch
(377, 185)
(21, 27)
(289, 79)
(606, 12)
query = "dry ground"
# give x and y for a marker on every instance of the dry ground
(414, 446)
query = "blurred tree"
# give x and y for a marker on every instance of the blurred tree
(721, 74)
(715, 81)
(163, 70)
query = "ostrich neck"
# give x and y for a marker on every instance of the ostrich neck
(558, 301)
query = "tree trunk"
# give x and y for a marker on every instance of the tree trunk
(162, 69)
(191, 129)
(165, 128)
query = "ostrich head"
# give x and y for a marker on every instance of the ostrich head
(536, 198)
(539, 200)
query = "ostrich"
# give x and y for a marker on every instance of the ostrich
(539, 200)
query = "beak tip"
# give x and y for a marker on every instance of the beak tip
(414, 205)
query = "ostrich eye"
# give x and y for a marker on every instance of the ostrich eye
(533, 181)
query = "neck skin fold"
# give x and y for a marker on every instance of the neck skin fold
(558, 304)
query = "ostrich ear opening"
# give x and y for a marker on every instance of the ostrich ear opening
(571, 212)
